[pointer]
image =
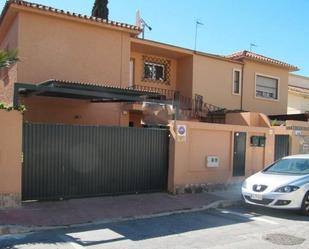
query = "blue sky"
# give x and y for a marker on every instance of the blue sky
(278, 27)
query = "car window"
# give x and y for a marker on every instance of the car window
(289, 166)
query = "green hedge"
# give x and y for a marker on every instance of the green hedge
(20, 108)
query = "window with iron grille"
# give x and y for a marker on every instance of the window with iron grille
(156, 70)
(267, 87)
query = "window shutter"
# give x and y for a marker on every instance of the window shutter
(266, 87)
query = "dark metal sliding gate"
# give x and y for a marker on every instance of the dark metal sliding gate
(64, 161)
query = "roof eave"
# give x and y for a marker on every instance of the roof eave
(11, 5)
(185, 51)
(288, 67)
(300, 91)
(304, 95)
(219, 57)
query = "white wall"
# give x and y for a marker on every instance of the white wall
(298, 80)
(297, 104)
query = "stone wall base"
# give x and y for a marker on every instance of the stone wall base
(10, 200)
(205, 188)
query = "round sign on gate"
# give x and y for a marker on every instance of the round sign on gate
(181, 133)
(181, 130)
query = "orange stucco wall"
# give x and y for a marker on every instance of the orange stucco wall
(213, 78)
(56, 48)
(67, 111)
(10, 38)
(8, 76)
(248, 119)
(185, 75)
(181, 67)
(10, 152)
(250, 102)
(188, 159)
(187, 163)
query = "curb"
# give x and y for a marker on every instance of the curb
(17, 229)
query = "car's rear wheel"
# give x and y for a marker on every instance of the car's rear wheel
(305, 205)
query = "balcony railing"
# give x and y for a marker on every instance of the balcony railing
(188, 108)
(169, 94)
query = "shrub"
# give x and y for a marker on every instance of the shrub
(20, 108)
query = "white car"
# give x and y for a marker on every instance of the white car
(283, 185)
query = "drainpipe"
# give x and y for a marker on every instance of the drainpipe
(242, 87)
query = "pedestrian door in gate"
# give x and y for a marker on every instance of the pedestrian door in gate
(282, 146)
(239, 155)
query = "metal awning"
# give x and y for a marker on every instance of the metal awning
(86, 91)
(285, 117)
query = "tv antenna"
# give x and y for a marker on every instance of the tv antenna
(197, 24)
(141, 23)
(252, 45)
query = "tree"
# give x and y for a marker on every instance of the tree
(8, 58)
(100, 9)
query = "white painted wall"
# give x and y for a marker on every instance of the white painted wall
(296, 102)
(298, 80)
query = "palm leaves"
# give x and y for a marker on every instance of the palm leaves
(8, 58)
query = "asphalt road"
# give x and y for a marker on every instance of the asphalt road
(220, 228)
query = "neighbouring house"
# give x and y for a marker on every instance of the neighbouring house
(84, 80)
(298, 97)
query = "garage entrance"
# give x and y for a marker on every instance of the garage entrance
(67, 161)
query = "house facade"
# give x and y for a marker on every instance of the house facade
(70, 54)
(298, 97)
(55, 44)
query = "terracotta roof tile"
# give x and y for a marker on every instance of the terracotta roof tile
(257, 57)
(67, 13)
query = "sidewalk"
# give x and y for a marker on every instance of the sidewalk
(42, 215)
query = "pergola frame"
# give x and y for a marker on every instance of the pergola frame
(90, 92)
